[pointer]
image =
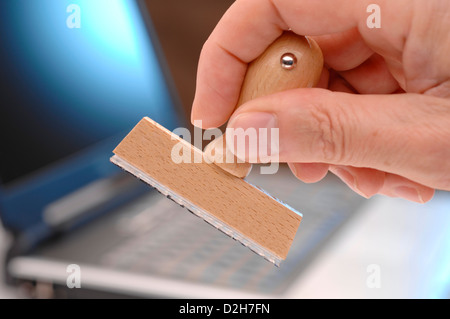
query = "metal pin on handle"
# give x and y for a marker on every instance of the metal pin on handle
(288, 61)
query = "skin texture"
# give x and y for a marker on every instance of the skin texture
(380, 116)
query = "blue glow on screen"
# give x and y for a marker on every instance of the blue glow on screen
(100, 77)
(65, 90)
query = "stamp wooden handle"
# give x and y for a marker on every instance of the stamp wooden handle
(292, 61)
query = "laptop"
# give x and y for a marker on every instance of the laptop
(72, 89)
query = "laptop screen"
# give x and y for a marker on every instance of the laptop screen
(76, 77)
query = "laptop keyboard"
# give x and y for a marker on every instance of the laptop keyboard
(163, 239)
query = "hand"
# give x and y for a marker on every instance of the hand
(380, 117)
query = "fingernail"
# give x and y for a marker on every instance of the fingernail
(350, 180)
(409, 193)
(253, 136)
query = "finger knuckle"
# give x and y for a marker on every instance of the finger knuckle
(331, 137)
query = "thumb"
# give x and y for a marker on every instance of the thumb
(404, 134)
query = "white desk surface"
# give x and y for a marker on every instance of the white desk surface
(407, 244)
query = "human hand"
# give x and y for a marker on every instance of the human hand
(380, 117)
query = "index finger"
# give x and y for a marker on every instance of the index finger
(247, 29)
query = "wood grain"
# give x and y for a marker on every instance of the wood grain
(241, 206)
(265, 76)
